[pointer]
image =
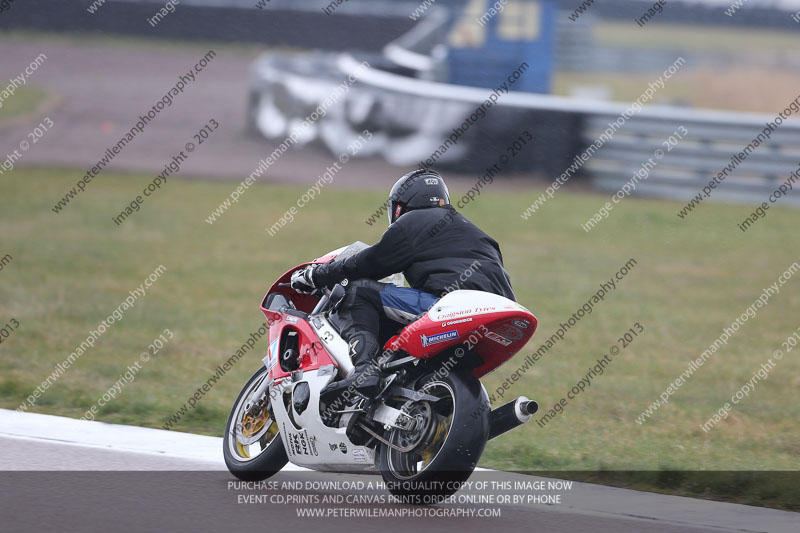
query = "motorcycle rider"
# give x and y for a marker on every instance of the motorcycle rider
(432, 244)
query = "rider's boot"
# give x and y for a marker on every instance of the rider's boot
(365, 378)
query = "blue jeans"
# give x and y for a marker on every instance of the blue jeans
(404, 304)
(371, 310)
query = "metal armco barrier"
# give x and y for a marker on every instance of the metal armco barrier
(412, 118)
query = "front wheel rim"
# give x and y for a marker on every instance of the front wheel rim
(250, 434)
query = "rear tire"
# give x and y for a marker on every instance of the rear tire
(418, 482)
(272, 455)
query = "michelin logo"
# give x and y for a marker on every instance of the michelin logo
(427, 340)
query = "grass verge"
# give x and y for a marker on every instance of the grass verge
(69, 271)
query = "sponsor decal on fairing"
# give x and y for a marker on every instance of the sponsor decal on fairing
(272, 355)
(427, 340)
(499, 339)
(509, 331)
(452, 322)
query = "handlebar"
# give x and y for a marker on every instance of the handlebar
(323, 294)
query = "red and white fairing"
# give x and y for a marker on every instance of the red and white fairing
(494, 326)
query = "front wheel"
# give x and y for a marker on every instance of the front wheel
(252, 447)
(430, 462)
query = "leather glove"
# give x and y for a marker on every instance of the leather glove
(303, 280)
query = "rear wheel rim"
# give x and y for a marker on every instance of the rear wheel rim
(409, 465)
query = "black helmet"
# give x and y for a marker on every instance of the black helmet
(417, 190)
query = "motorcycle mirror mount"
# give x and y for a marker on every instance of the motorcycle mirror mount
(336, 296)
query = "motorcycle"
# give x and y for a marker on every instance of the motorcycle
(426, 429)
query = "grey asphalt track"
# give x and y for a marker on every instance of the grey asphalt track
(181, 501)
(63, 474)
(101, 89)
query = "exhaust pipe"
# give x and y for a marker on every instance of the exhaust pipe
(511, 415)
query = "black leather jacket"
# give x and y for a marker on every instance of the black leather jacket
(437, 249)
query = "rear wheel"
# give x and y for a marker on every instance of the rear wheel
(252, 446)
(430, 462)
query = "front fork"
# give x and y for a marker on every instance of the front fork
(259, 392)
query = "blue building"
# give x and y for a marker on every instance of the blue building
(491, 38)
